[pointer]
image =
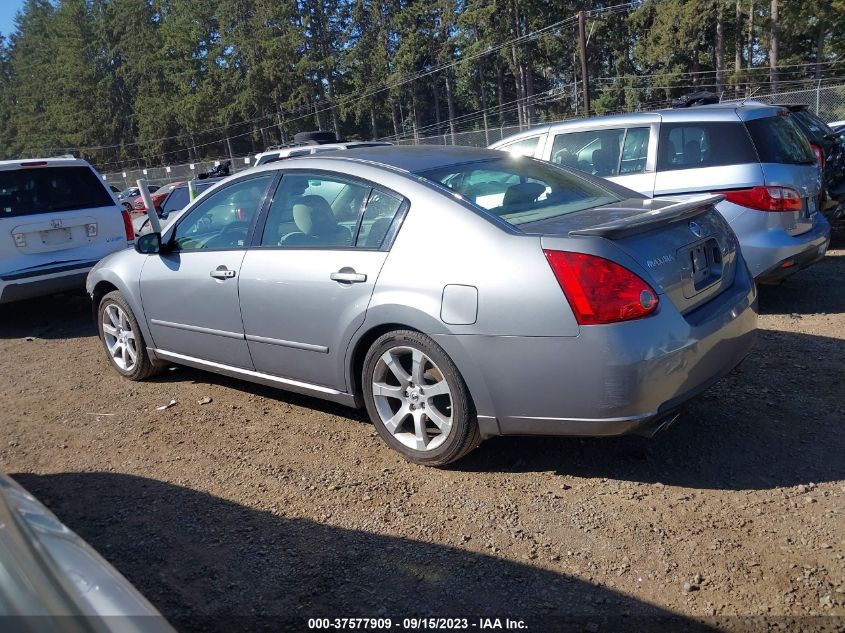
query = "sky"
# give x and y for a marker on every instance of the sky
(8, 9)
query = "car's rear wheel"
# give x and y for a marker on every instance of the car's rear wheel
(122, 338)
(418, 400)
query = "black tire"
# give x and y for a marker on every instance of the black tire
(127, 206)
(143, 367)
(463, 436)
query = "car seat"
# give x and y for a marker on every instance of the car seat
(317, 225)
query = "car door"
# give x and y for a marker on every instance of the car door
(624, 155)
(190, 290)
(306, 283)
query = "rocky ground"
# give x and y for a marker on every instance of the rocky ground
(239, 500)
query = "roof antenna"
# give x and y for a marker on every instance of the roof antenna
(753, 92)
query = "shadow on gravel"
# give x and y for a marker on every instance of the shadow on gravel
(209, 564)
(816, 290)
(775, 421)
(55, 317)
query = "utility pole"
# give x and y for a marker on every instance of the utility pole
(582, 46)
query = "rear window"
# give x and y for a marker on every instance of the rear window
(815, 124)
(703, 144)
(778, 140)
(520, 190)
(50, 189)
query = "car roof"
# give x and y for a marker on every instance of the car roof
(320, 147)
(23, 163)
(410, 158)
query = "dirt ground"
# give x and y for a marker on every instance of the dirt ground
(276, 507)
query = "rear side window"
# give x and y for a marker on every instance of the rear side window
(703, 144)
(778, 140)
(50, 189)
(524, 147)
(595, 152)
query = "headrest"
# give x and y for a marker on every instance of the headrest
(313, 216)
(523, 192)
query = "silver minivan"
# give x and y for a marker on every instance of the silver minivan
(753, 154)
(57, 219)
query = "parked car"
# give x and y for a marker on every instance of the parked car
(456, 293)
(127, 196)
(291, 151)
(53, 580)
(57, 219)
(829, 149)
(157, 196)
(753, 154)
(175, 199)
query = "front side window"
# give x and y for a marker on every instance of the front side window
(222, 220)
(524, 147)
(178, 199)
(521, 190)
(314, 211)
(595, 152)
(703, 144)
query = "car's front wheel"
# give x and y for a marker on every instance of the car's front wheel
(122, 338)
(418, 400)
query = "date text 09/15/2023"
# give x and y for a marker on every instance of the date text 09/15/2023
(417, 624)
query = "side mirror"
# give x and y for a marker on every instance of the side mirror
(149, 244)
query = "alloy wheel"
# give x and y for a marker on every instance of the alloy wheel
(119, 337)
(412, 398)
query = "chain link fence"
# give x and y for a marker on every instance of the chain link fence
(828, 102)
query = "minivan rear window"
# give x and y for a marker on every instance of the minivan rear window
(521, 190)
(779, 140)
(50, 189)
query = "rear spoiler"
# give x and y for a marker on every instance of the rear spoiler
(644, 221)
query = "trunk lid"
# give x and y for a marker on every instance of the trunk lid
(686, 249)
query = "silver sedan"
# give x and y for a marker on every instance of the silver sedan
(455, 293)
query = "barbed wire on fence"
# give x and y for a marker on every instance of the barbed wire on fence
(827, 101)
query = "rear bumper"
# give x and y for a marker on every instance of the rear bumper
(766, 248)
(791, 265)
(610, 379)
(27, 284)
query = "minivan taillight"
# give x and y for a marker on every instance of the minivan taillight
(819, 154)
(127, 226)
(599, 290)
(765, 198)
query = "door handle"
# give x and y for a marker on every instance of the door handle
(349, 276)
(222, 273)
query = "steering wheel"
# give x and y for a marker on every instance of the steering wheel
(233, 234)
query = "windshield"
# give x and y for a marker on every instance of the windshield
(48, 189)
(778, 140)
(521, 190)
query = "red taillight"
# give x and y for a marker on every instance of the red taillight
(765, 198)
(138, 204)
(157, 198)
(127, 226)
(819, 154)
(599, 290)
(34, 163)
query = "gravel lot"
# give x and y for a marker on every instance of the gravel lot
(263, 503)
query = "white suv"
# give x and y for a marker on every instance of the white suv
(57, 219)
